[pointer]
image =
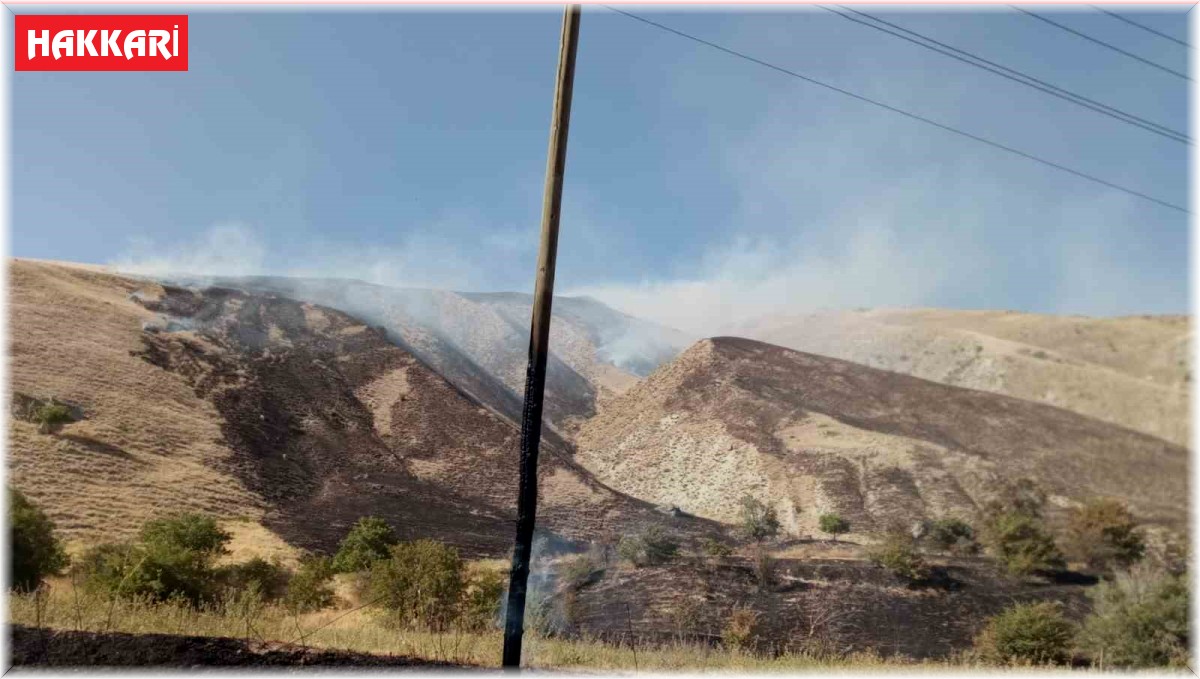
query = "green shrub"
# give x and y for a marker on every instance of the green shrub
(419, 584)
(1021, 543)
(897, 553)
(268, 578)
(758, 521)
(310, 587)
(833, 524)
(481, 601)
(368, 541)
(1104, 534)
(34, 550)
(114, 569)
(953, 535)
(186, 532)
(173, 558)
(1139, 619)
(649, 547)
(51, 416)
(1027, 634)
(580, 570)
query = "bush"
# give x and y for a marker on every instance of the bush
(310, 587)
(581, 570)
(897, 553)
(1021, 543)
(419, 585)
(833, 524)
(1139, 619)
(741, 628)
(953, 535)
(758, 521)
(51, 416)
(1104, 535)
(171, 559)
(650, 547)
(35, 551)
(368, 541)
(1027, 634)
(714, 548)
(268, 578)
(481, 601)
(186, 532)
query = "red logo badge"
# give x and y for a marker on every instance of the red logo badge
(101, 42)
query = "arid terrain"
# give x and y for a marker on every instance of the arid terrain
(1133, 371)
(290, 408)
(812, 434)
(299, 417)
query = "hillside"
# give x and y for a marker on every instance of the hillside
(480, 341)
(295, 416)
(1132, 371)
(811, 434)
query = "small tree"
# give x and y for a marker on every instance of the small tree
(1027, 634)
(419, 585)
(35, 551)
(1021, 543)
(759, 521)
(268, 578)
(833, 524)
(368, 541)
(1139, 619)
(51, 417)
(1104, 534)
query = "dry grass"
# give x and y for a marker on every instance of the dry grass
(147, 444)
(64, 607)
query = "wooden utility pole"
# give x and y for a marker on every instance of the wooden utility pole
(539, 339)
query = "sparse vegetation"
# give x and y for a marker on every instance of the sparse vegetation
(1139, 619)
(833, 524)
(651, 546)
(481, 602)
(764, 567)
(1104, 534)
(368, 541)
(714, 548)
(1027, 634)
(897, 553)
(741, 629)
(952, 535)
(35, 551)
(758, 521)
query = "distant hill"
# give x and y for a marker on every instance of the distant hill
(810, 434)
(255, 406)
(1133, 371)
(480, 341)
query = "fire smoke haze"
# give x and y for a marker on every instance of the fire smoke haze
(701, 190)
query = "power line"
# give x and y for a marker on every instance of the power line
(1114, 48)
(1144, 27)
(900, 111)
(1014, 75)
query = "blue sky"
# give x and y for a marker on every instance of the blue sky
(408, 147)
